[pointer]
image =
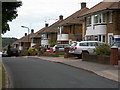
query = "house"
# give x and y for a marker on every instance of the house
(49, 35)
(70, 29)
(102, 22)
(24, 42)
(36, 37)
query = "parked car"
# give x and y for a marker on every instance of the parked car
(4, 54)
(49, 50)
(77, 47)
(61, 47)
(116, 44)
(0, 54)
(13, 52)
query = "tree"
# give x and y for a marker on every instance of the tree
(9, 12)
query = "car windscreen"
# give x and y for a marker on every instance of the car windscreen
(74, 44)
(116, 44)
(66, 45)
(59, 45)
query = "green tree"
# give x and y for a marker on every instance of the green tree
(9, 12)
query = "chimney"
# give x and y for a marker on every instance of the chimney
(61, 17)
(25, 34)
(32, 30)
(46, 25)
(83, 5)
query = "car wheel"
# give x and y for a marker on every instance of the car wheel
(79, 56)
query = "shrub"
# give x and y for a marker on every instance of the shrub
(32, 51)
(103, 49)
(53, 44)
(23, 53)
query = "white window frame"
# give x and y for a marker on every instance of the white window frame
(96, 15)
(104, 17)
(89, 19)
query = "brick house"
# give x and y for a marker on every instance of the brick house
(49, 35)
(70, 29)
(36, 37)
(24, 42)
(102, 22)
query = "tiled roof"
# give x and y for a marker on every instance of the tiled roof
(23, 39)
(52, 28)
(73, 19)
(37, 34)
(104, 6)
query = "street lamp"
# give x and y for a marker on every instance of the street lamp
(28, 31)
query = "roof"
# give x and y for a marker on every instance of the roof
(104, 6)
(37, 34)
(73, 19)
(52, 28)
(23, 39)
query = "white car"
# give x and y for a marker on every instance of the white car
(77, 47)
(0, 54)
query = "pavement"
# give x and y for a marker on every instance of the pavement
(107, 71)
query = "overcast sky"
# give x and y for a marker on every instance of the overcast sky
(35, 13)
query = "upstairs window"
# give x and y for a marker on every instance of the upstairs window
(103, 18)
(110, 17)
(96, 18)
(99, 18)
(88, 20)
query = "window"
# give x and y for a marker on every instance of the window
(88, 20)
(103, 18)
(103, 38)
(96, 38)
(110, 17)
(47, 36)
(83, 44)
(100, 18)
(99, 37)
(96, 18)
(92, 44)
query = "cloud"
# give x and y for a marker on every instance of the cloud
(34, 13)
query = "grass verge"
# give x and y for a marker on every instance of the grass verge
(3, 78)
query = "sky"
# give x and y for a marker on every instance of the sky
(35, 13)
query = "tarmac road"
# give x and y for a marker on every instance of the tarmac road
(35, 73)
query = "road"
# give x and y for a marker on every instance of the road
(35, 73)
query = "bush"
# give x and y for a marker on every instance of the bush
(23, 53)
(53, 44)
(103, 49)
(32, 51)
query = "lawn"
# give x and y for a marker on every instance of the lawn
(2, 76)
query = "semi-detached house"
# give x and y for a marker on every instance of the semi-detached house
(70, 29)
(23, 43)
(36, 37)
(102, 22)
(49, 35)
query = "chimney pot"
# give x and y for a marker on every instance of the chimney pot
(32, 30)
(83, 5)
(46, 25)
(25, 34)
(61, 17)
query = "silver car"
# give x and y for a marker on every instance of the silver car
(77, 47)
(61, 47)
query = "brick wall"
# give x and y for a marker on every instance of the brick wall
(114, 26)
